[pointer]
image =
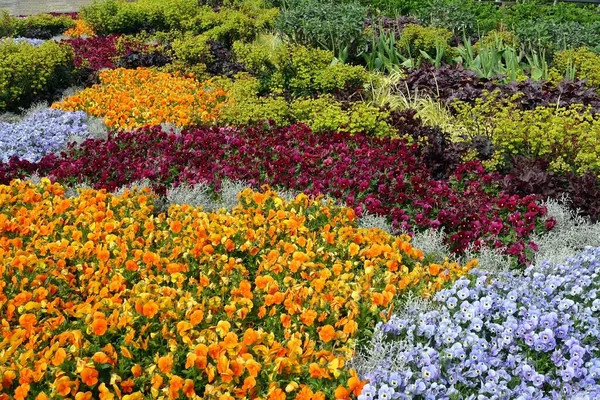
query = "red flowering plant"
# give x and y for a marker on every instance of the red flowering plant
(372, 175)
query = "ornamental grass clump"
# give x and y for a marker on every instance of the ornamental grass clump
(41, 132)
(530, 336)
(130, 99)
(103, 297)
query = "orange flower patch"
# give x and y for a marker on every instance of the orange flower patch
(129, 99)
(80, 29)
(108, 300)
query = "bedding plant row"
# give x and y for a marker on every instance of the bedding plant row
(452, 123)
(102, 298)
(385, 177)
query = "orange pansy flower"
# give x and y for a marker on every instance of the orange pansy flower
(150, 309)
(165, 363)
(327, 333)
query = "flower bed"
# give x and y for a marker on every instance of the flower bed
(377, 176)
(129, 99)
(40, 133)
(506, 336)
(108, 299)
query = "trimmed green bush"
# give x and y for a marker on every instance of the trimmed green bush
(322, 113)
(42, 26)
(241, 21)
(417, 38)
(298, 70)
(27, 72)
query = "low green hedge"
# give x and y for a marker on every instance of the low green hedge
(42, 26)
(237, 21)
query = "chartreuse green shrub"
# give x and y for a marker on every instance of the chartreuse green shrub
(567, 136)
(580, 63)
(115, 16)
(322, 113)
(191, 54)
(416, 40)
(28, 71)
(227, 25)
(500, 39)
(297, 70)
(6, 24)
(242, 20)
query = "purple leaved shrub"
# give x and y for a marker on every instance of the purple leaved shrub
(456, 83)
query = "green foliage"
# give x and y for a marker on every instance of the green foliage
(540, 25)
(498, 39)
(241, 21)
(462, 17)
(494, 58)
(383, 55)
(27, 72)
(321, 113)
(229, 24)
(567, 136)
(297, 70)
(192, 49)
(6, 24)
(416, 40)
(580, 63)
(42, 26)
(556, 36)
(328, 24)
(114, 16)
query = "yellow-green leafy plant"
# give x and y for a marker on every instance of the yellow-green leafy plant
(6, 24)
(298, 70)
(581, 63)
(429, 40)
(567, 136)
(239, 21)
(191, 54)
(28, 71)
(499, 39)
(229, 24)
(325, 114)
(322, 113)
(43, 26)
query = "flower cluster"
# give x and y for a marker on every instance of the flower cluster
(129, 99)
(40, 133)
(104, 299)
(376, 176)
(531, 336)
(33, 42)
(95, 53)
(80, 29)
